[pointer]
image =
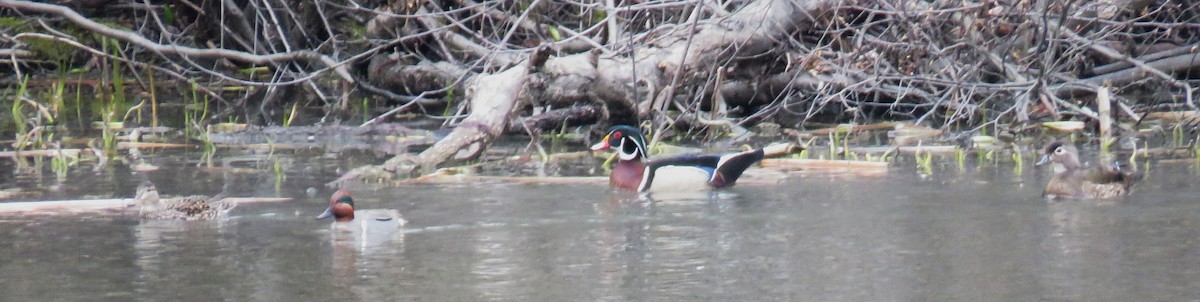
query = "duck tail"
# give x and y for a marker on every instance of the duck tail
(223, 203)
(731, 166)
(1128, 179)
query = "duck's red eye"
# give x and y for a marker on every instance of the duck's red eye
(617, 135)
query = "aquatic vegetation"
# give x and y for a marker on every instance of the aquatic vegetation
(132, 109)
(1016, 157)
(108, 133)
(196, 111)
(153, 97)
(960, 156)
(1195, 148)
(280, 176)
(365, 108)
(924, 160)
(61, 163)
(18, 116)
(79, 102)
(118, 101)
(57, 90)
(1178, 135)
(291, 115)
(210, 149)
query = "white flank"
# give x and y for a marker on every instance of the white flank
(678, 178)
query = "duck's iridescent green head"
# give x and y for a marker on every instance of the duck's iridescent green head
(341, 207)
(627, 140)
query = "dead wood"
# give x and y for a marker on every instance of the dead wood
(556, 119)
(395, 74)
(207, 53)
(492, 98)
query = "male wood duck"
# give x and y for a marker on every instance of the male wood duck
(341, 208)
(1071, 180)
(634, 171)
(195, 207)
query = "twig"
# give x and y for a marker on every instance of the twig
(415, 100)
(209, 53)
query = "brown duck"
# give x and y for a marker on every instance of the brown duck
(1071, 180)
(196, 207)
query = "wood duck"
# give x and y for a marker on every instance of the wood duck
(635, 171)
(195, 207)
(1071, 180)
(341, 208)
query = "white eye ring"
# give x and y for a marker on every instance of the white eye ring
(1059, 150)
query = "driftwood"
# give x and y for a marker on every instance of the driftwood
(556, 119)
(39, 153)
(906, 149)
(493, 98)
(797, 164)
(1175, 116)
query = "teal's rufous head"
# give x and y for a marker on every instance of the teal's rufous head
(341, 207)
(627, 140)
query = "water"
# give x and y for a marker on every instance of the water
(982, 234)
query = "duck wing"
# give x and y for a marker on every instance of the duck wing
(722, 169)
(1111, 175)
(191, 205)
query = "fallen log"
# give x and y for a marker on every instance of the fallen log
(555, 119)
(493, 98)
(905, 149)
(803, 163)
(38, 153)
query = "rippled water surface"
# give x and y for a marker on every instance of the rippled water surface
(982, 234)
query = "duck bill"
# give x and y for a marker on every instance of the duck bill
(328, 213)
(1042, 161)
(603, 144)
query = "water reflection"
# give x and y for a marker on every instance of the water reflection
(363, 267)
(168, 253)
(978, 234)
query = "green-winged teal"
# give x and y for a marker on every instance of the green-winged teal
(341, 208)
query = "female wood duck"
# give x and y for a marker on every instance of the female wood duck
(341, 208)
(195, 207)
(1071, 180)
(634, 171)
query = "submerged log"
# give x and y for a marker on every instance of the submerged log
(1175, 116)
(801, 163)
(38, 153)
(99, 205)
